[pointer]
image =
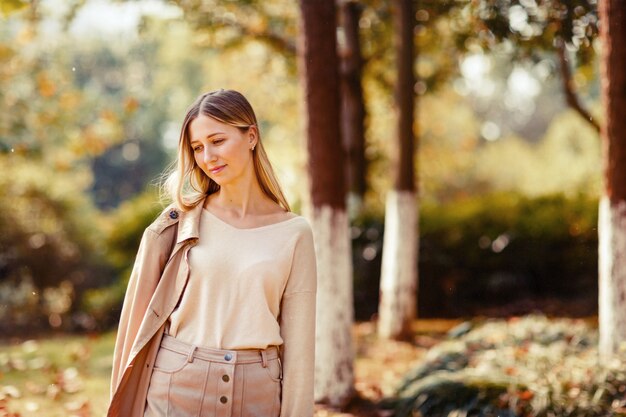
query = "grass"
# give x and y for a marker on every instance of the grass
(64, 376)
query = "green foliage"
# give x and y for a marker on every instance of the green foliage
(71, 102)
(121, 78)
(495, 248)
(523, 30)
(49, 242)
(483, 252)
(227, 25)
(76, 126)
(125, 225)
(46, 114)
(123, 229)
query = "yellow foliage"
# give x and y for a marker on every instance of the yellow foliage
(108, 116)
(92, 143)
(10, 6)
(45, 85)
(130, 104)
(69, 100)
(6, 52)
(26, 35)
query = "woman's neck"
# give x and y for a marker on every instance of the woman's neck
(239, 201)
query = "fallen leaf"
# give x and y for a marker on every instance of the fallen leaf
(11, 391)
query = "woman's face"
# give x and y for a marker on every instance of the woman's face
(222, 151)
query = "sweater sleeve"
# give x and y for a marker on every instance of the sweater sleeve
(297, 328)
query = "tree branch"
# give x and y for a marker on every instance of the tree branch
(568, 87)
(274, 40)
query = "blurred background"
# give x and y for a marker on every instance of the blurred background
(93, 93)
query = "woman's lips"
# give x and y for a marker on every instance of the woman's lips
(218, 169)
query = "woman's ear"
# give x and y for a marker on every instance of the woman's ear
(252, 136)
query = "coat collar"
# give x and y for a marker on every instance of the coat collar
(189, 223)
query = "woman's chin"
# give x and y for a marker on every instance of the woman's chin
(219, 181)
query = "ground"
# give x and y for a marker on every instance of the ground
(69, 375)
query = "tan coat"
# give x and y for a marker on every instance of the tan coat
(156, 284)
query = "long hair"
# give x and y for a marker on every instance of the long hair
(186, 183)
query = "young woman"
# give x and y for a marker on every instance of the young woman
(219, 314)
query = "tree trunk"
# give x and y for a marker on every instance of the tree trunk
(612, 210)
(353, 108)
(398, 282)
(318, 63)
(400, 247)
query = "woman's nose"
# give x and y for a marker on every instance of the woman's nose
(209, 156)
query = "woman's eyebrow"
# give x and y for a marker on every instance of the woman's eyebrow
(207, 137)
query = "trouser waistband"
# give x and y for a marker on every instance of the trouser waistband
(219, 355)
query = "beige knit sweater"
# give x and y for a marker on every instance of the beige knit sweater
(252, 288)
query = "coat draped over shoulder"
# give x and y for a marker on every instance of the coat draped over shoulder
(156, 283)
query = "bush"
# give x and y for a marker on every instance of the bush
(480, 253)
(49, 251)
(529, 366)
(123, 230)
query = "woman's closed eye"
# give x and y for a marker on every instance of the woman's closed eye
(199, 148)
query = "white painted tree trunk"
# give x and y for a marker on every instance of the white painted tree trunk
(355, 204)
(398, 281)
(612, 278)
(334, 355)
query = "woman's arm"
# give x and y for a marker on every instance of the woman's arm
(297, 328)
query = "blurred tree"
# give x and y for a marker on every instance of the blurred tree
(446, 34)
(230, 24)
(77, 104)
(398, 282)
(48, 130)
(318, 63)
(612, 214)
(65, 104)
(353, 107)
(522, 29)
(566, 160)
(121, 76)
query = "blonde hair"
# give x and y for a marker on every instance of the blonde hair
(185, 183)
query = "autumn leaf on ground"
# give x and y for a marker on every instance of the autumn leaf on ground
(69, 380)
(79, 407)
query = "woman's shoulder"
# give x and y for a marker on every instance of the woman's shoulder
(300, 225)
(168, 217)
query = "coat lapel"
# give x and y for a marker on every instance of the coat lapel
(188, 227)
(173, 280)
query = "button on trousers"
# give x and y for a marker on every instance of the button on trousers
(191, 381)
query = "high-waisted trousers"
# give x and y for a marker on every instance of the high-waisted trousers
(191, 381)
